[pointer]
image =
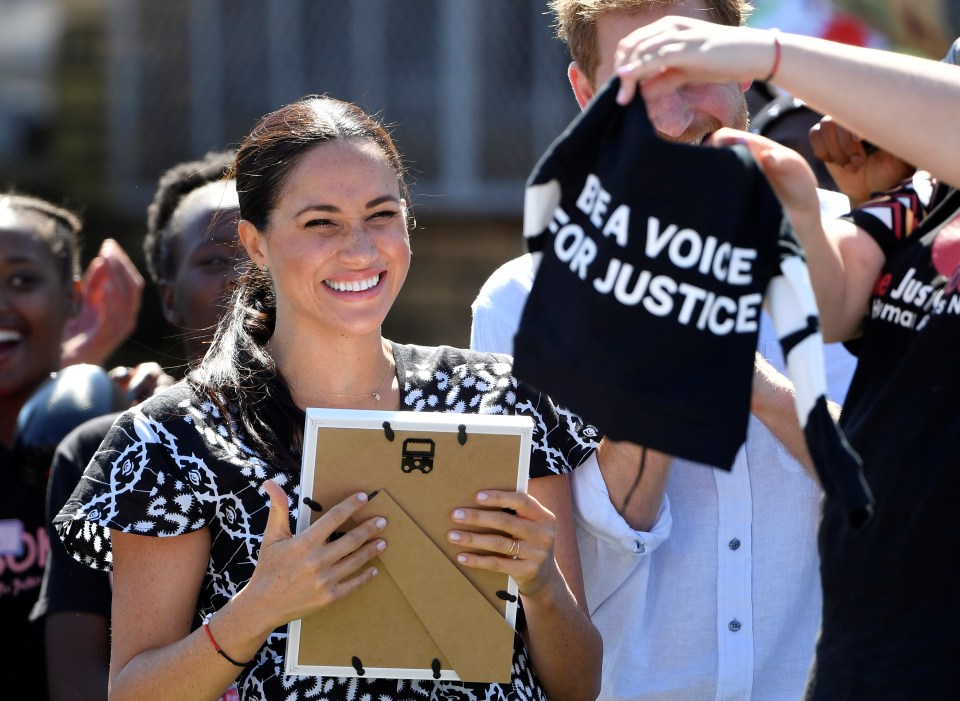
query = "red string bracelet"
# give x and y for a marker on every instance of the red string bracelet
(776, 55)
(206, 627)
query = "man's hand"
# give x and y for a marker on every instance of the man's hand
(113, 289)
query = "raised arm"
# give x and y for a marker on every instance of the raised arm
(901, 103)
(844, 261)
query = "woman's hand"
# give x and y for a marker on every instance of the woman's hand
(297, 575)
(859, 171)
(524, 546)
(673, 51)
(788, 173)
(140, 382)
(113, 289)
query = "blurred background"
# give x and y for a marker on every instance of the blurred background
(98, 97)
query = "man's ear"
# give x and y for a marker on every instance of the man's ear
(253, 242)
(581, 84)
(168, 304)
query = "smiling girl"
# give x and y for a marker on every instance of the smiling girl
(38, 294)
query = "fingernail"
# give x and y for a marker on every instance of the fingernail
(381, 545)
(461, 558)
(361, 496)
(454, 536)
(482, 496)
(374, 572)
(380, 522)
(459, 514)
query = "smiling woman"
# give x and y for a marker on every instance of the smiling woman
(38, 294)
(209, 468)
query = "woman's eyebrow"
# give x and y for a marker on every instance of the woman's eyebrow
(333, 208)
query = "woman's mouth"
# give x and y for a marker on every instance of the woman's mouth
(353, 285)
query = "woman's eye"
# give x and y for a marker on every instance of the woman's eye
(318, 223)
(23, 281)
(385, 214)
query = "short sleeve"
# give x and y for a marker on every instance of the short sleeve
(562, 441)
(147, 478)
(891, 217)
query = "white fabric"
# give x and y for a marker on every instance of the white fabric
(664, 601)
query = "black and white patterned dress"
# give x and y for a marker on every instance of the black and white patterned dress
(171, 466)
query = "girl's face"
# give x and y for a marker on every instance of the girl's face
(336, 243)
(35, 304)
(206, 254)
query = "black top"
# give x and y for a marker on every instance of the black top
(68, 585)
(655, 259)
(23, 554)
(891, 623)
(171, 466)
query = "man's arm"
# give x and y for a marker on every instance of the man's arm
(888, 98)
(773, 403)
(636, 479)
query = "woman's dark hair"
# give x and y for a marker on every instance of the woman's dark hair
(238, 371)
(57, 226)
(175, 184)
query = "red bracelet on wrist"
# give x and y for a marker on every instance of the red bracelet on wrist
(776, 55)
(206, 628)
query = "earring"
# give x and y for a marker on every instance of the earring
(264, 268)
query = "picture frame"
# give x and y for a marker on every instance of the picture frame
(424, 616)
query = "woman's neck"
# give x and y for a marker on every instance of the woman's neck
(354, 373)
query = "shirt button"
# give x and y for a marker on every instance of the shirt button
(734, 544)
(639, 547)
(734, 625)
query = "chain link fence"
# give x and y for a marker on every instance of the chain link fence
(475, 90)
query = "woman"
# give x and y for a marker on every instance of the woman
(887, 275)
(39, 292)
(213, 462)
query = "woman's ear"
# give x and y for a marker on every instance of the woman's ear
(254, 243)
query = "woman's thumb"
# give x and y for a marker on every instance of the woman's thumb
(278, 520)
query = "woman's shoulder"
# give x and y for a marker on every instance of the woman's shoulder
(451, 356)
(179, 405)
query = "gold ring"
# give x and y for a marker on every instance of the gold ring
(514, 549)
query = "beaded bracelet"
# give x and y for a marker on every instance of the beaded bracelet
(206, 627)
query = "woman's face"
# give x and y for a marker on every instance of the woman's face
(206, 260)
(336, 243)
(35, 303)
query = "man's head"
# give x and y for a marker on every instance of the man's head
(593, 28)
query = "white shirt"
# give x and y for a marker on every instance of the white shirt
(721, 600)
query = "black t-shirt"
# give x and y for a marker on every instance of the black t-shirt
(654, 261)
(67, 584)
(891, 623)
(23, 554)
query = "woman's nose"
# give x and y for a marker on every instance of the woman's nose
(359, 244)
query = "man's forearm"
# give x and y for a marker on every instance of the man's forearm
(636, 479)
